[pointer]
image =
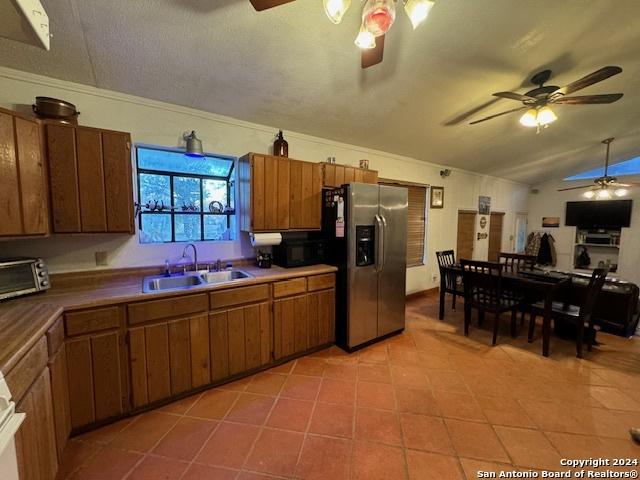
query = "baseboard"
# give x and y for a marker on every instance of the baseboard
(430, 292)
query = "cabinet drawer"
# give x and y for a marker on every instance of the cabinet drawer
(238, 296)
(289, 287)
(95, 320)
(27, 369)
(55, 337)
(321, 282)
(166, 308)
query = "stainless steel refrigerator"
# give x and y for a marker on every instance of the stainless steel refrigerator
(367, 227)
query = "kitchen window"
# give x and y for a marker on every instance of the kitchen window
(184, 199)
(416, 220)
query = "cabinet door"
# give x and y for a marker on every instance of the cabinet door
(35, 440)
(321, 314)
(60, 395)
(63, 179)
(290, 326)
(32, 181)
(349, 174)
(169, 358)
(370, 176)
(305, 193)
(93, 215)
(329, 175)
(241, 339)
(359, 175)
(116, 155)
(269, 193)
(11, 223)
(96, 386)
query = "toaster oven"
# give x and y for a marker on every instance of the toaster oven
(22, 276)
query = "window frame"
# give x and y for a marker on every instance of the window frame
(229, 180)
(408, 185)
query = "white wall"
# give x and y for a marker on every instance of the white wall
(548, 202)
(159, 123)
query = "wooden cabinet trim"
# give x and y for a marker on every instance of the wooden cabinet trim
(238, 296)
(26, 371)
(286, 288)
(321, 282)
(141, 312)
(91, 321)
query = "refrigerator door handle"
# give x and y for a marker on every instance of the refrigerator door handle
(383, 255)
(379, 233)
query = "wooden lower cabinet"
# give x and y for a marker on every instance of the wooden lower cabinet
(240, 339)
(36, 440)
(60, 396)
(303, 322)
(97, 382)
(169, 358)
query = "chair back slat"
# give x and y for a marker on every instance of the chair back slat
(482, 283)
(515, 262)
(598, 278)
(447, 258)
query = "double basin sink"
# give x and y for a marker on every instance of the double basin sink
(191, 280)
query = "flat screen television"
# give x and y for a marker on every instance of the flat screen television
(598, 214)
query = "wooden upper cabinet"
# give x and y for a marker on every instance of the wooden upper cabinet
(278, 194)
(22, 182)
(305, 194)
(335, 175)
(90, 179)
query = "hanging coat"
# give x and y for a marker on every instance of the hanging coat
(545, 256)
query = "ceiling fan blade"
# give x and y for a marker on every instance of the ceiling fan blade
(516, 96)
(595, 77)
(261, 5)
(497, 115)
(574, 188)
(589, 99)
(373, 56)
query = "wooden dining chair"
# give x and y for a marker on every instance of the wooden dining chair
(581, 316)
(449, 279)
(515, 262)
(483, 291)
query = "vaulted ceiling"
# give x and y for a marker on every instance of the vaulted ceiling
(291, 68)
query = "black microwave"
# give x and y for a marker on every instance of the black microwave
(300, 253)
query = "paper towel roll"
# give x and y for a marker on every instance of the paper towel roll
(265, 239)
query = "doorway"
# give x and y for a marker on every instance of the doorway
(520, 234)
(495, 236)
(466, 232)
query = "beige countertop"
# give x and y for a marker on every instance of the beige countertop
(24, 320)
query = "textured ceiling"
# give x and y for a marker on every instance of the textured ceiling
(290, 67)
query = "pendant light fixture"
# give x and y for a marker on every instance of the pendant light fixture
(194, 145)
(335, 9)
(378, 16)
(418, 11)
(365, 39)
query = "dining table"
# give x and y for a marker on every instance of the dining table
(534, 284)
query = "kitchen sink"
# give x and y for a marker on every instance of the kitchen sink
(190, 280)
(224, 276)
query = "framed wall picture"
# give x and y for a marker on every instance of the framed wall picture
(550, 222)
(437, 197)
(484, 205)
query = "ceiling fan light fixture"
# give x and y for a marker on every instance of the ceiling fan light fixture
(603, 194)
(530, 118)
(418, 11)
(365, 39)
(589, 194)
(620, 192)
(335, 9)
(546, 116)
(378, 16)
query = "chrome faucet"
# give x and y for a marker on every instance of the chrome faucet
(195, 255)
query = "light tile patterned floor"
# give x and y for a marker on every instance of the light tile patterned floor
(428, 404)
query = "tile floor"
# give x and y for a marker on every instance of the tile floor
(428, 404)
